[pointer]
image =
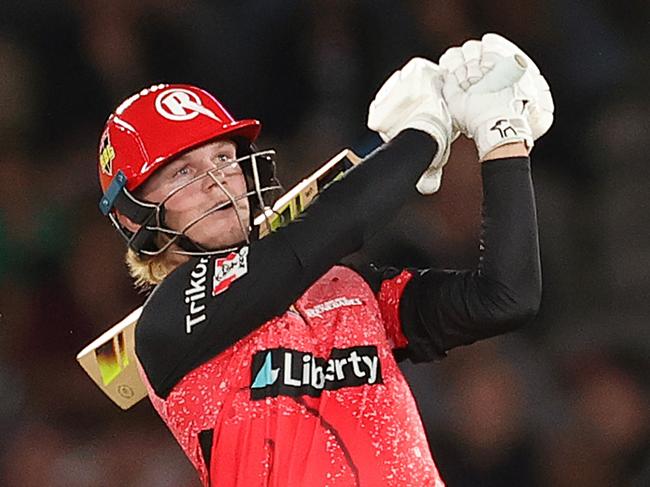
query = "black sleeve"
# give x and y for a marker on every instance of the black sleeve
(441, 310)
(184, 325)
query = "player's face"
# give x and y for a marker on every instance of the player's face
(220, 229)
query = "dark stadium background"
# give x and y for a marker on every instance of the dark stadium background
(563, 402)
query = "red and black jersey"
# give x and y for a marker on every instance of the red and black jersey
(276, 366)
(312, 397)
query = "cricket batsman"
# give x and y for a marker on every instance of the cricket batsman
(273, 361)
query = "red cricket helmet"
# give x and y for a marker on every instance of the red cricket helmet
(159, 123)
(153, 127)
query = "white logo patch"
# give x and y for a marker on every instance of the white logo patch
(179, 104)
(195, 294)
(228, 269)
(319, 309)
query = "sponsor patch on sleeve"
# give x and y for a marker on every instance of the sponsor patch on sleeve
(228, 269)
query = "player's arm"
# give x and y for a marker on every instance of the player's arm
(183, 324)
(440, 310)
(430, 311)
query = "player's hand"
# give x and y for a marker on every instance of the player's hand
(496, 93)
(488, 108)
(412, 98)
(532, 83)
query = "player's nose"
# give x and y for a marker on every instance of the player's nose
(214, 178)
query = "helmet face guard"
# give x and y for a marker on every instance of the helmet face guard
(155, 126)
(154, 235)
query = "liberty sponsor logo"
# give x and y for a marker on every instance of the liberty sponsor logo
(332, 304)
(286, 372)
(194, 294)
(228, 269)
(179, 105)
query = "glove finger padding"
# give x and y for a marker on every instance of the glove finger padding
(540, 114)
(451, 59)
(496, 43)
(453, 62)
(505, 73)
(393, 104)
(401, 97)
(540, 110)
(472, 52)
(527, 110)
(533, 85)
(491, 110)
(411, 98)
(430, 180)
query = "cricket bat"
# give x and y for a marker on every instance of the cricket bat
(110, 359)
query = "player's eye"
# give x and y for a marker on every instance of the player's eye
(221, 158)
(183, 171)
(229, 169)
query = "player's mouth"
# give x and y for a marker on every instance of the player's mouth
(225, 206)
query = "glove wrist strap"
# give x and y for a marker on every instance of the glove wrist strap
(499, 131)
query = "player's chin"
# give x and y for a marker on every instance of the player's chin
(217, 232)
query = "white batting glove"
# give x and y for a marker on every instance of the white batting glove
(411, 98)
(487, 107)
(532, 83)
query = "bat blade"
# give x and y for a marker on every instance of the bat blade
(110, 362)
(110, 359)
(291, 204)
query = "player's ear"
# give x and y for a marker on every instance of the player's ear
(126, 222)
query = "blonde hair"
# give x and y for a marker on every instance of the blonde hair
(148, 271)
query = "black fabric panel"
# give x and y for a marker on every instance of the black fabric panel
(205, 442)
(442, 309)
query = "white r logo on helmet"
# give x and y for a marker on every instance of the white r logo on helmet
(179, 104)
